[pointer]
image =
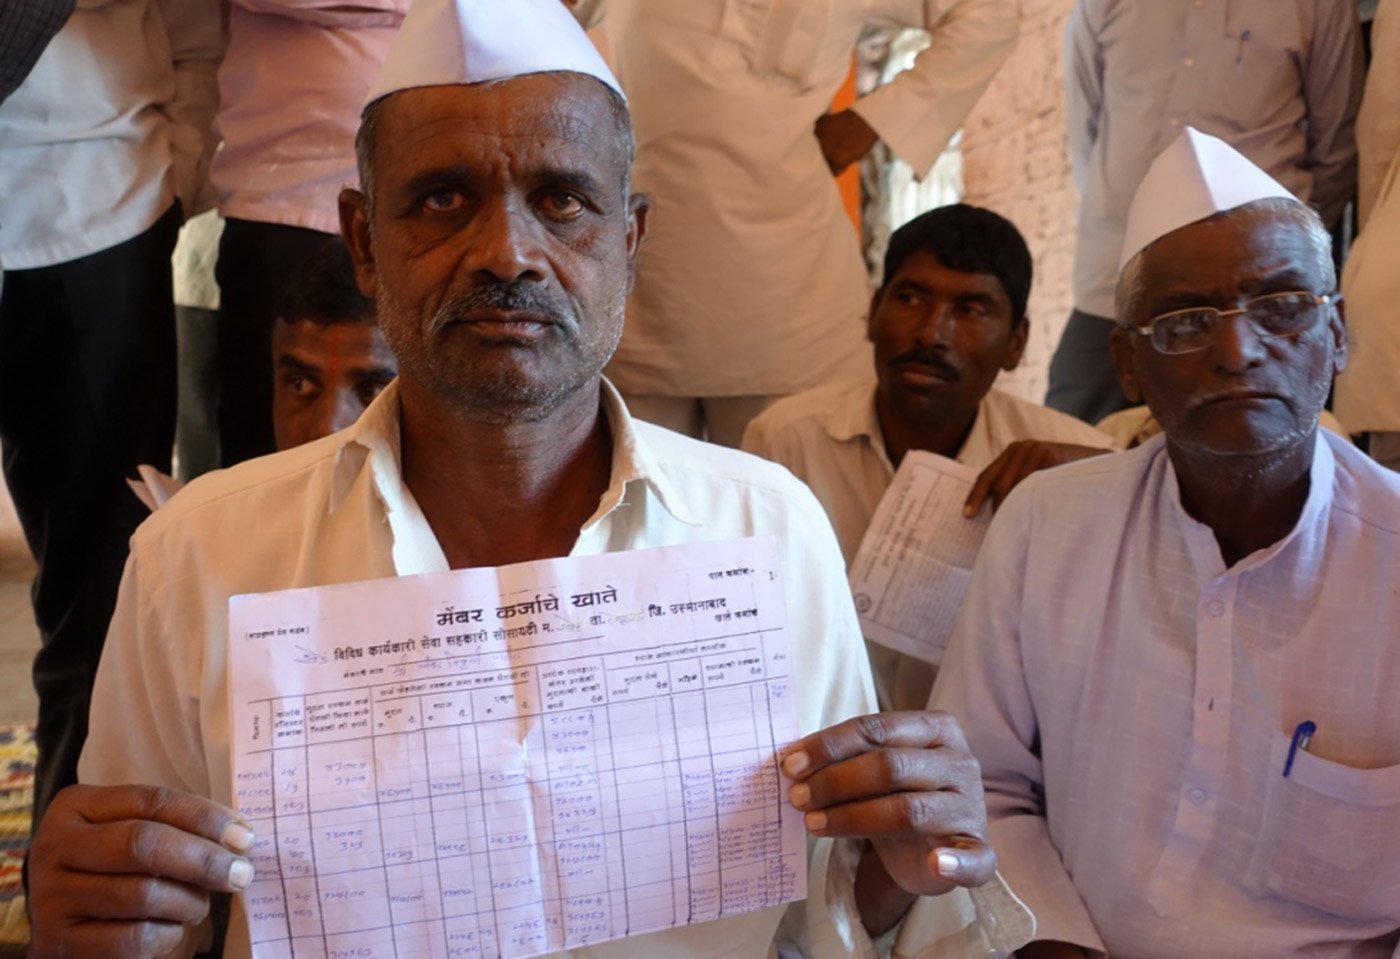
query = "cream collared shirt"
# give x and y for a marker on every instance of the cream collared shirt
(830, 439)
(337, 510)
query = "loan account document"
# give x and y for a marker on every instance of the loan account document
(513, 761)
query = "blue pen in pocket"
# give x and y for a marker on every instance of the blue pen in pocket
(1301, 737)
(1239, 51)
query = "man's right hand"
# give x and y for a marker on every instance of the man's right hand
(121, 871)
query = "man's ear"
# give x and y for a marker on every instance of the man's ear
(1122, 344)
(1016, 346)
(638, 208)
(1337, 326)
(354, 227)
(870, 317)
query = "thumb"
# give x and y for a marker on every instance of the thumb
(964, 861)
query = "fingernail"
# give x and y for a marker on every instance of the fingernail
(238, 837)
(948, 862)
(815, 821)
(794, 764)
(800, 795)
(240, 874)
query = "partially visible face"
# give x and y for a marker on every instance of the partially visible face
(1245, 394)
(324, 375)
(500, 244)
(941, 336)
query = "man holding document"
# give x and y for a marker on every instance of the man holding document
(1177, 665)
(497, 233)
(949, 316)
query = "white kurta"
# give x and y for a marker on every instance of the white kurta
(337, 511)
(1368, 391)
(751, 281)
(110, 127)
(1132, 701)
(830, 438)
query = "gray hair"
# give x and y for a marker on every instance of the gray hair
(1132, 282)
(625, 141)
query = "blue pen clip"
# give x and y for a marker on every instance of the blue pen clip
(1239, 51)
(1301, 737)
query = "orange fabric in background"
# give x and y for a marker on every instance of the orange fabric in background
(849, 182)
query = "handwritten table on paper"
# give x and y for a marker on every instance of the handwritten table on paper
(513, 761)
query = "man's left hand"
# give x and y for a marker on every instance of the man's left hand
(905, 781)
(844, 139)
(1016, 462)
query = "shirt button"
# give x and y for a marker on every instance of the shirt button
(1216, 608)
(1197, 796)
(1189, 62)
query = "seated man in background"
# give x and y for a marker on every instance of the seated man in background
(497, 232)
(329, 360)
(329, 356)
(1177, 666)
(949, 316)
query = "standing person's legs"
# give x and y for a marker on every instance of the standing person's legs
(1083, 381)
(256, 262)
(87, 393)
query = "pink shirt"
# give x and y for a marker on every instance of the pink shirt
(291, 87)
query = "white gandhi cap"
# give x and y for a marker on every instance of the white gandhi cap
(1195, 178)
(444, 42)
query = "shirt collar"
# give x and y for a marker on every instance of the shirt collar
(1201, 538)
(854, 416)
(634, 462)
(374, 441)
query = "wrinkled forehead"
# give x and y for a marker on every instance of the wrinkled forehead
(1244, 250)
(558, 115)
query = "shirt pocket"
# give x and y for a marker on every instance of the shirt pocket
(1330, 836)
(1256, 68)
(779, 41)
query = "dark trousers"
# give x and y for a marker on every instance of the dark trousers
(87, 393)
(1083, 379)
(256, 262)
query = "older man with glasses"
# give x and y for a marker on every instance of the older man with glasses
(1177, 666)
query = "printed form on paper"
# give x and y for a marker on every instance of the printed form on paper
(915, 561)
(514, 761)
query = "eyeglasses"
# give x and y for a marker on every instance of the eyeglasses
(1274, 314)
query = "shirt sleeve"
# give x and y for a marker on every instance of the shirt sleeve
(917, 113)
(983, 684)
(197, 40)
(332, 13)
(25, 31)
(1083, 84)
(1332, 83)
(1378, 123)
(144, 724)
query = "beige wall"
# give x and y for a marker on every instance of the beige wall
(1015, 162)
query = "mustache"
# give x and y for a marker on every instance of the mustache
(517, 296)
(928, 357)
